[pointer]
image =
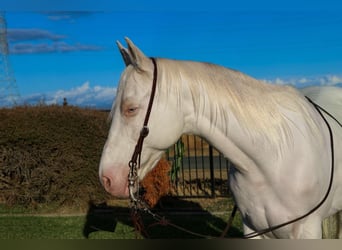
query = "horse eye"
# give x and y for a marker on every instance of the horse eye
(131, 111)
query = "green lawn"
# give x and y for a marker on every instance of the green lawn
(111, 225)
(42, 227)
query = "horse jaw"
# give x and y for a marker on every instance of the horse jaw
(114, 174)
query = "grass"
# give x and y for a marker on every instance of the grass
(74, 227)
(57, 227)
(37, 227)
(114, 222)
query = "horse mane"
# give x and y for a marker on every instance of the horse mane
(258, 107)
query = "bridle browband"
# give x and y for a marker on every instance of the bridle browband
(134, 165)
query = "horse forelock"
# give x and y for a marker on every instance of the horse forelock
(260, 108)
(128, 72)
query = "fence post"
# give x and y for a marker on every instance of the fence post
(212, 178)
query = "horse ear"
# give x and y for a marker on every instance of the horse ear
(125, 54)
(137, 58)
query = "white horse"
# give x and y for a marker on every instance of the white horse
(279, 143)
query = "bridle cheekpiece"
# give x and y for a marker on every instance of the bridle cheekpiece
(134, 163)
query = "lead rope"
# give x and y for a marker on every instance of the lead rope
(229, 222)
(161, 220)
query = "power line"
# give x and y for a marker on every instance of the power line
(9, 92)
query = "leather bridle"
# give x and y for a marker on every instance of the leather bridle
(134, 163)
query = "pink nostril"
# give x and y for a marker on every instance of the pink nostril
(106, 182)
(114, 181)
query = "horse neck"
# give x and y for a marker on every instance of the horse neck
(219, 127)
(232, 141)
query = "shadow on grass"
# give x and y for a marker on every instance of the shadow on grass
(186, 214)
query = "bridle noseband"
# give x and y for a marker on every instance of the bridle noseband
(134, 163)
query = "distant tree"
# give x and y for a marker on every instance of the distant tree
(65, 102)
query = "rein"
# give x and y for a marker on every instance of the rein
(134, 164)
(272, 228)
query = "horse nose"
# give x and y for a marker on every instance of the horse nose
(115, 181)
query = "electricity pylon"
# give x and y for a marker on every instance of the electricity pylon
(9, 92)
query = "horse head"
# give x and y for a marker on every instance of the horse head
(128, 113)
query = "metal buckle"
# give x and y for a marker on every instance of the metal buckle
(132, 178)
(144, 131)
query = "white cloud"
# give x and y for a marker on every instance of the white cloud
(327, 80)
(102, 96)
(331, 80)
(83, 95)
(278, 81)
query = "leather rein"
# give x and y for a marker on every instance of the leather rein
(319, 109)
(134, 164)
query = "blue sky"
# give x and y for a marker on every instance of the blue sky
(72, 53)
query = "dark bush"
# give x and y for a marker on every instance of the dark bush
(51, 154)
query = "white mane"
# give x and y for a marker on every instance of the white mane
(256, 105)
